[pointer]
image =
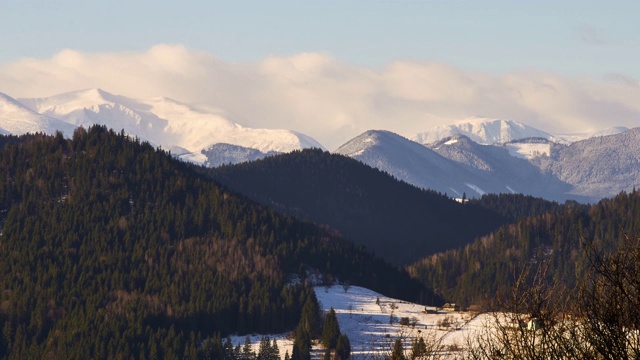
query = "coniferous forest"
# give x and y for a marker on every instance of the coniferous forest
(366, 205)
(112, 249)
(557, 238)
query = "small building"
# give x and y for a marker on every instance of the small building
(430, 310)
(451, 307)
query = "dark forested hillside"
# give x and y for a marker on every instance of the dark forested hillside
(518, 206)
(396, 220)
(112, 249)
(554, 239)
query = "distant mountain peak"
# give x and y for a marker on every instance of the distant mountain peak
(18, 119)
(165, 122)
(483, 131)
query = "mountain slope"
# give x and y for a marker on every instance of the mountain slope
(598, 167)
(17, 119)
(411, 162)
(113, 249)
(504, 171)
(482, 131)
(570, 138)
(164, 122)
(454, 165)
(556, 240)
(395, 219)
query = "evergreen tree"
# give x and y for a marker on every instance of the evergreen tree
(301, 345)
(343, 347)
(330, 330)
(247, 350)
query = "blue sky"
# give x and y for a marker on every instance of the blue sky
(334, 69)
(592, 38)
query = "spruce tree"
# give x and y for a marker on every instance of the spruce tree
(343, 347)
(330, 330)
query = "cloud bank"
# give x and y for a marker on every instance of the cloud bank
(331, 101)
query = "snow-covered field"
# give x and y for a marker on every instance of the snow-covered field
(372, 323)
(528, 150)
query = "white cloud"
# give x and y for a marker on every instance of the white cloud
(332, 101)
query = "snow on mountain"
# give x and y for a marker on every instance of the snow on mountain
(504, 171)
(17, 119)
(372, 323)
(410, 162)
(599, 166)
(222, 154)
(529, 148)
(454, 165)
(570, 138)
(165, 122)
(483, 131)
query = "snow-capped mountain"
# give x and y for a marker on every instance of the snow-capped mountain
(586, 170)
(222, 154)
(17, 119)
(597, 167)
(483, 131)
(496, 163)
(410, 162)
(166, 122)
(455, 166)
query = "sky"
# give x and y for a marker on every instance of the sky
(333, 69)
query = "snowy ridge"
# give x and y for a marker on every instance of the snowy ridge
(17, 119)
(482, 131)
(410, 162)
(454, 165)
(164, 122)
(570, 138)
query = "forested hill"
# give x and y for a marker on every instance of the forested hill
(554, 240)
(396, 220)
(517, 206)
(112, 249)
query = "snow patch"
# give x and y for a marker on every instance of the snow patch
(475, 188)
(528, 150)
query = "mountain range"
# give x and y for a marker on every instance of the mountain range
(586, 170)
(470, 158)
(188, 132)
